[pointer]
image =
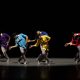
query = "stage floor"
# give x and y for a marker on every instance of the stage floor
(33, 62)
(58, 69)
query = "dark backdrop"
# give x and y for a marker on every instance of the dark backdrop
(59, 36)
(60, 28)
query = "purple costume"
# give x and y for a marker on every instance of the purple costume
(4, 39)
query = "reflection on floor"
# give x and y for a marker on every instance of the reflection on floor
(58, 69)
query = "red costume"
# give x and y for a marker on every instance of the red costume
(76, 39)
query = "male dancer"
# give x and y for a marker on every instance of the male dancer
(20, 41)
(4, 43)
(75, 42)
(42, 40)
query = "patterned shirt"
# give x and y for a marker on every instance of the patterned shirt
(20, 40)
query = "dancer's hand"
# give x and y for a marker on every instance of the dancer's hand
(68, 44)
(31, 46)
(10, 48)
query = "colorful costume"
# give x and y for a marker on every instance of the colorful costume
(4, 43)
(43, 42)
(43, 39)
(20, 41)
(76, 42)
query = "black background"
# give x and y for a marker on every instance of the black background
(60, 32)
(59, 22)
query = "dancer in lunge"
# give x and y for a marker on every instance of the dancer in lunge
(4, 43)
(42, 41)
(75, 42)
(21, 41)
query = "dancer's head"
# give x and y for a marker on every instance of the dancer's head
(38, 32)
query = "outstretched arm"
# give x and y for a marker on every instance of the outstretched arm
(12, 47)
(36, 44)
(28, 40)
(31, 40)
(70, 43)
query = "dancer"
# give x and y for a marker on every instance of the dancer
(75, 42)
(4, 43)
(21, 41)
(42, 40)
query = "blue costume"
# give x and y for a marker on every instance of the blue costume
(43, 33)
(20, 40)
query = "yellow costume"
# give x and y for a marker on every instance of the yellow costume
(43, 42)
